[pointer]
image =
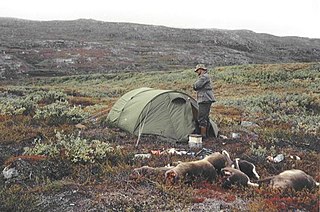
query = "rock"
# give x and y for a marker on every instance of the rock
(235, 135)
(142, 156)
(248, 124)
(80, 126)
(9, 173)
(278, 158)
(223, 136)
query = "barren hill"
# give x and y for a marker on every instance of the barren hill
(49, 48)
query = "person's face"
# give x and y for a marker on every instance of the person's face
(199, 71)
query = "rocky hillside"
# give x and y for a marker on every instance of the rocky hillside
(53, 48)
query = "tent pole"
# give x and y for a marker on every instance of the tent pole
(141, 126)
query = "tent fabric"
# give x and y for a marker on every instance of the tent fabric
(167, 113)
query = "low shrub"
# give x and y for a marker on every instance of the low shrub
(75, 149)
(60, 112)
(260, 151)
(19, 106)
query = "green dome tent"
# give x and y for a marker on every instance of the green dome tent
(166, 113)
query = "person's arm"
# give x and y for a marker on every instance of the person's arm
(200, 83)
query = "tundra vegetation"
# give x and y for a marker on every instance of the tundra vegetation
(56, 126)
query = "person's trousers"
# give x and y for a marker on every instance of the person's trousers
(203, 114)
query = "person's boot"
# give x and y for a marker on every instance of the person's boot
(203, 132)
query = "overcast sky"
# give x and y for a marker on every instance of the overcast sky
(277, 17)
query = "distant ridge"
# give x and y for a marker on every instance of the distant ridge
(46, 48)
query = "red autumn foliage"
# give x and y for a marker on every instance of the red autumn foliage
(29, 158)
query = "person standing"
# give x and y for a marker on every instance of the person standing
(205, 97)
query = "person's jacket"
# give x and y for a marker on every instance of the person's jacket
(204, 89)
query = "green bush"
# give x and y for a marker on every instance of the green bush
(74, 148)
(269, 75)
(46, 97)
(260, 151)
(296, 110)
(27, 104)
(17, 106)
(60, 113)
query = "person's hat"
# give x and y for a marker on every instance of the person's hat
(200, 66)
